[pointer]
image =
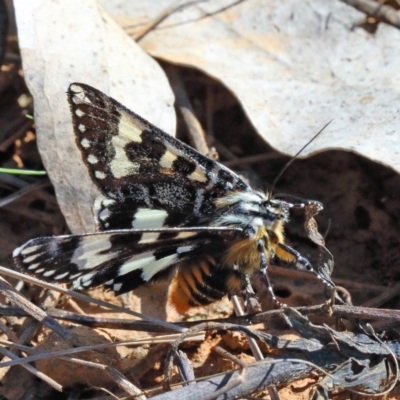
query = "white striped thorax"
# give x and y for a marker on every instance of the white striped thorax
(251, 209)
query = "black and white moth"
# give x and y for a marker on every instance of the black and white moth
(164, 207)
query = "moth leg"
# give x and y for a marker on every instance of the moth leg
(251, 302)
(263, 269)
(298, 202)
(301, 262)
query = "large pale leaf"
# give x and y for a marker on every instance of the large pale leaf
(68, 41)
(293, 65)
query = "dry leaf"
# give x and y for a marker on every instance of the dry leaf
(293, 65)
(75, 41)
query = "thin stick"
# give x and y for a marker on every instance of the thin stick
(384, 297)
(37, 313)
(81, 349)
(33, 370)
(88, 299)
(252, 159)
(160, 18)
(377, 10)
(196, 133)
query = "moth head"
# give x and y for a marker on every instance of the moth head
(274, 212)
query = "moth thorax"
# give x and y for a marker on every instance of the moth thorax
(251, 210)
(244, 253)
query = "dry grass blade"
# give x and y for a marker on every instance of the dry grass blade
(196, 133)
(83, 297)
(185, 368)
(60, 353)
(114, 374)
(37, 313)
(22, 192)
(32, 370)
(377, 10)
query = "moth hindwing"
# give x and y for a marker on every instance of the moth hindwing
(163, 206)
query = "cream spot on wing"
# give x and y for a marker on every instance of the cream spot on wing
(108, 202)
(82, 128)
(149, 219)
(121, 166)
(100, 175)
(29, 249)
(76, 88)
(84, 281)
(156, 266)
(184, 235)
(92, 159)
(79, 112)
(149, 237)
(31, 258)
(136, 262)
(33, 266)
(75, 275)
(85, 143)
(117, 287)
(49, 273)
(76, 99)
(61, 275)
(39, 271)
(88, 253)
(104, 214)
(198, 175)
(184, 249)
(129, 129)
(167, 159)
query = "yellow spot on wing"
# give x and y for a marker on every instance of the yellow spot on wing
(121, 166)
(149, 219)
(167, 159)
(198, 175)
(129, 129)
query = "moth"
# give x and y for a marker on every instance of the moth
(164, 207)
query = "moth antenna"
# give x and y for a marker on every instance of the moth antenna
(286, 166)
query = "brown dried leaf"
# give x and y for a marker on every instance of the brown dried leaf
(75, 41)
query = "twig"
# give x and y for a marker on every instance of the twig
(384, 297)
(17, 132)
(33, 370)
(296, 274)
(124, 384)
(185, 369)
(377, 10)
(13, 180)
(160, 18)
(81, 349)
(35, 215)
(196, 133)
(22, 192)
(114, 374)
(252, 159)
(343, 311)
(226, 354)
(37, 313)
(88, 299)
(258, 377)
(255, 348)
